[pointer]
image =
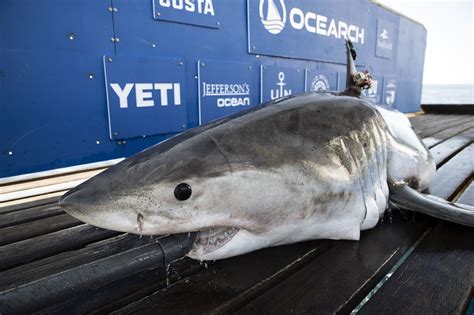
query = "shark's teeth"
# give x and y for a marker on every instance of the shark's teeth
(210, 240)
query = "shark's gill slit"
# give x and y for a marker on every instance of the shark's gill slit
(140, 221)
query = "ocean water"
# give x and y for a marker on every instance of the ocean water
(447, 94)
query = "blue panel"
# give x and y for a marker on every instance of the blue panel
(299, 28)
(386, 39)
(194, 12)
(410, 58)
(53, 110)
(146, 90)
(341, 80)
(225, 88)
(320, 80)
(279, 81)
(389, 91)
(53, 104)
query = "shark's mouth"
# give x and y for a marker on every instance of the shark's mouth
(208, 241)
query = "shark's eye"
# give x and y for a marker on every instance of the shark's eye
(182, 191)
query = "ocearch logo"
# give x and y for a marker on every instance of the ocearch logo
(274, 17)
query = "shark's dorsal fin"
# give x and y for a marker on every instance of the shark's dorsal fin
(351, 68)
(355, 81)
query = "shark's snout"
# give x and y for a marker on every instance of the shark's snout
(74, 203)
(92, 206)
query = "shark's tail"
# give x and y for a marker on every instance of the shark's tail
(408, 198)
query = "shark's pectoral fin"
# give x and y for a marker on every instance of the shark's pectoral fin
(408, 198)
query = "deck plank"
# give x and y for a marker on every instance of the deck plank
(28, 215)
(436, 279)
(446, 149)
(228, 281)
(421, 121)
(453, 173)
(439, 137)
(441, 269)
(112, 296)
(437, 122)
(29, 204)
(468, 196)
(46, 245)
(340, 278)
(35, 228)
(442, 124)
(87, 250)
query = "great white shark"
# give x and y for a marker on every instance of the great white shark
(302, 167)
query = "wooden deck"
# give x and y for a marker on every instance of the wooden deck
(407, 264)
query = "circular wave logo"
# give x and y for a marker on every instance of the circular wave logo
(273, 17)
(320, 84)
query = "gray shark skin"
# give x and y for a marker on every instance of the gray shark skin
(303, 167)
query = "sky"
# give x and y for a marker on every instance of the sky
(450, 40)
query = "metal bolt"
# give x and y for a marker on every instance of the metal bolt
(158, 13)
(250, 67)
(91, 76)
(115, 39)
(153, 45)
(98, 142)
(202, 64)
(110, 9)
(124, 142)
(119, 142)
(183, 126)
(181, 63)
(115, 10)
(10, 153)
(115, 133)
(110, 60)
(257, 56)
(196, 77)
(297, 70)
(218, 23)
(144, 136)
(71, 36)
(253, 47)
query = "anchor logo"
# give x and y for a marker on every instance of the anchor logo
(273, 20)
(281, 91)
